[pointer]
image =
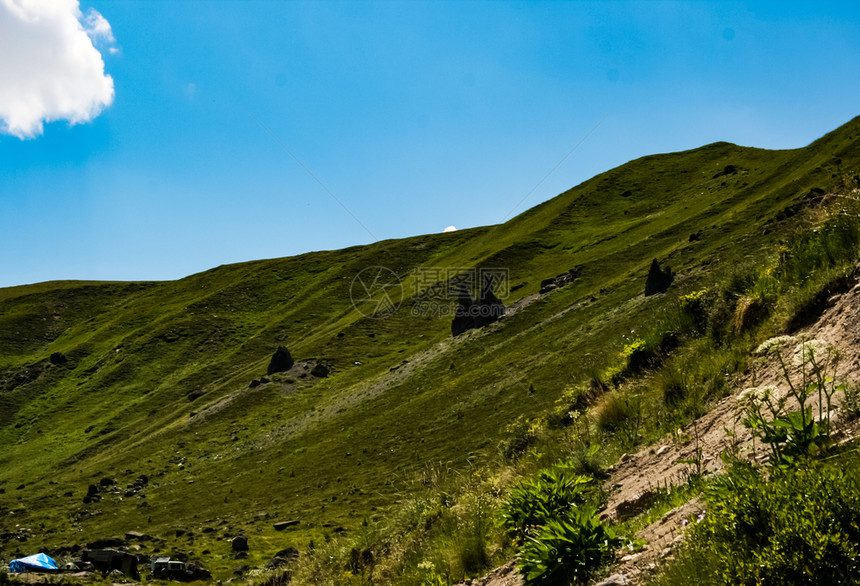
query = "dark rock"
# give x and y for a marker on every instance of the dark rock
(289, 553)
(58, 358)
(561, 280)
(194, 395)
(241, 569)
(263, 380)
(239, 543)
(281, 361)
(727, 170)
(281, 525)
(472, 314)
(106, 543)
(695, 236)
(627, 193)
(320, 371)
(110, 560)
(658, 280)
(195, 571)
(105, 482)
(254, 384)
(463, 320)
(815, 193)
(276, 562)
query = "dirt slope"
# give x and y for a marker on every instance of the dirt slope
(634, 477)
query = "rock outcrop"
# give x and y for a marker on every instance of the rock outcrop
(476, 313)
(281, 361)
(658, 280)
(561, 280)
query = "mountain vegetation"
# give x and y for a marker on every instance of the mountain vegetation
(386, 450)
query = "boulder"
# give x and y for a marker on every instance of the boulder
(281, 361)
(283, 558)
(58, 358)
(289, 553)
(658, 280)
(727, 170)
(476, 313)
(320, 371)
(463, 320)
(561, 280)
(239, 543)
(106, 543)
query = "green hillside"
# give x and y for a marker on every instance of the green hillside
(157, 377)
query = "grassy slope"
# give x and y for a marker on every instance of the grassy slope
(331, 452)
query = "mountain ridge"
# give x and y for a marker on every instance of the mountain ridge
(158, 372)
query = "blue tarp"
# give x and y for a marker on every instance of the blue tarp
(38, 563)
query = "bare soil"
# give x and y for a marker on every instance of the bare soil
(634, 478)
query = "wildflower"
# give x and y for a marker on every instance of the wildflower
(768, 346)
(811, 351)
(753, 396)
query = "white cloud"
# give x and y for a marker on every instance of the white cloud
(450, 229)
(97, 27)
(50, 68)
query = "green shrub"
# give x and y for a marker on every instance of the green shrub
(636, 355)
(851, 402)
(835, 242)
(674, 386)
(553, 493)
(568, 550)
(693, 308)
(617, 412)
(522, 435)
(797, 527)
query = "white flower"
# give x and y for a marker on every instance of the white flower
(811, 350)
(754, 396)
(768, 346)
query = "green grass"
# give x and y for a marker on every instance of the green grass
(335, 452)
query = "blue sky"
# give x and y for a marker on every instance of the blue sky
(415, 116)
